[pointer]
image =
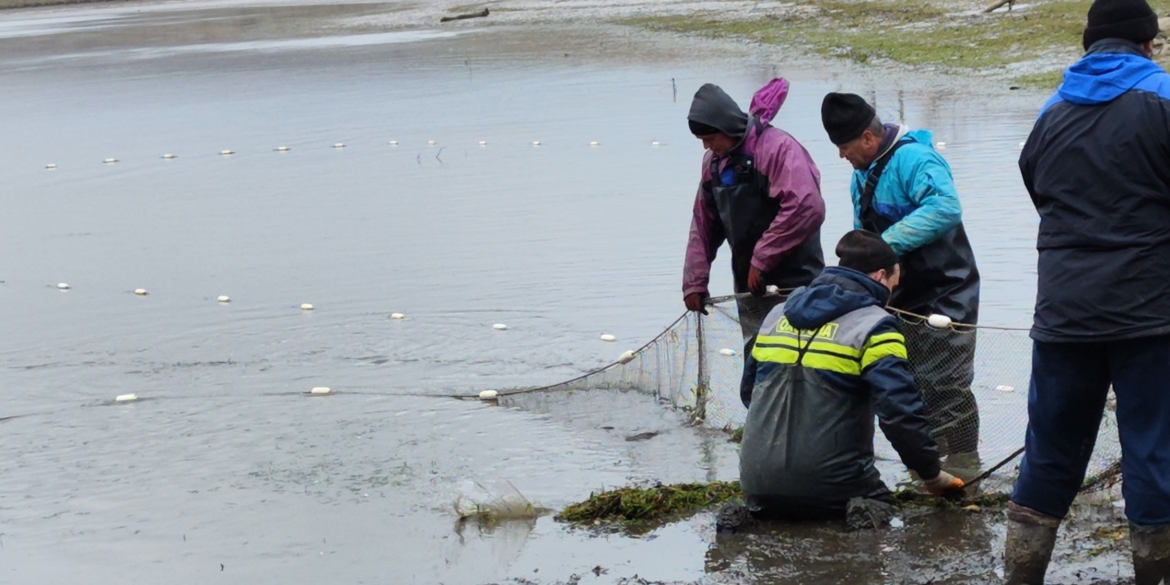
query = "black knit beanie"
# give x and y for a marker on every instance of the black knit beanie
(845, 116)
(1131, 20)
(865, 252)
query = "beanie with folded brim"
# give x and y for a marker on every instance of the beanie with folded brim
(845, 116)
(865, 252)
(1130, 20)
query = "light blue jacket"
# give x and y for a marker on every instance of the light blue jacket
(916, 191)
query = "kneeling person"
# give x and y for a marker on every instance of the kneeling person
(824, 363)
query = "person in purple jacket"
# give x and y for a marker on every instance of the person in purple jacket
(761, 193)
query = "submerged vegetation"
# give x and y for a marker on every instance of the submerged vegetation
(660, 503)
(650, 503)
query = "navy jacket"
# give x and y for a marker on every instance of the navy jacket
(1097, 166)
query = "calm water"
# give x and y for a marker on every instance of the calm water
(225, 461)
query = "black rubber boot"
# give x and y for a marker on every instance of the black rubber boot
(1031, 536)
(1151, 554)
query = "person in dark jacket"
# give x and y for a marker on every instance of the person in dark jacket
(824, 363)
(902, 189)
(1097, 167)
(760, 192)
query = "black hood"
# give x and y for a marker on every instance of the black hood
(713, 107)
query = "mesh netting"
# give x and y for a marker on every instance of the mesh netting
(974, 381)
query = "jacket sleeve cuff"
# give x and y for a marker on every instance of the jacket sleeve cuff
(688, 290)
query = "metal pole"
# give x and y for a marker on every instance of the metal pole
(704, 381)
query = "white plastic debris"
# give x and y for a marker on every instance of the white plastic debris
(51, 166)
(499, 327)
(224, 299)
(535, 143)
(169, 156)
(608, 337)
(126, 398)
(594, 143)
(938, 321)
(393, 143)
(63, 286)
(1005, 388)
(483, 143)
(227, 152)
(338, 145)
(627, 357)
(489, 395)
(655, 143)
(431, 143)
(1021, 145)
(727, 351)
(941, 145)
(321, 390)
(282, 149)
(306, 306)
(397, 316)
(140, 292)
(110, 161)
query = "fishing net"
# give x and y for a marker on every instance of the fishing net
(974, 380)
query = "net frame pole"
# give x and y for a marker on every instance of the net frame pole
(704, 380)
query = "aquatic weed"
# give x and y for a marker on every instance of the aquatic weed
(632, 504)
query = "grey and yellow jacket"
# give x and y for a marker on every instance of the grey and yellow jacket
(825, 362)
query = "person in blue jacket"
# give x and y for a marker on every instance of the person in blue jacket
(1097, 167)
(902, 189)
(824, 364)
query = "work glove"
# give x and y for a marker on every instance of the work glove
(756, 282)
(942, 484)
(695, 302)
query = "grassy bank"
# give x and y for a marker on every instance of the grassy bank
(1029, 45)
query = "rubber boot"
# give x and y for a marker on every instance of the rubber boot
(1031, 536)
(1151, 554)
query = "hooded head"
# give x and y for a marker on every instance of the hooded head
(714, 113)
(1130, 20)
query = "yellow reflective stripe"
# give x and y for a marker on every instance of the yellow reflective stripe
(792, 342)
(832, 363)
(813, 358)
(875, 352)
(876, 339)
(776, 355)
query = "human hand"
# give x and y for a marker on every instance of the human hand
(694, 302)
(943, 483)
(756, 282)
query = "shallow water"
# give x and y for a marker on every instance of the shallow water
(225, 470)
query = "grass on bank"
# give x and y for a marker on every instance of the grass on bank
(910, 32)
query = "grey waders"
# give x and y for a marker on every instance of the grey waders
(1151, 554)
(1031, 536)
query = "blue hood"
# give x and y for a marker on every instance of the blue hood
(835, 292)
(1111, 68)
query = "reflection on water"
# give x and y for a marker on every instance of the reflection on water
(224, 461)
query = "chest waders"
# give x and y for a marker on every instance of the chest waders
(807, 446)
(939, 277)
